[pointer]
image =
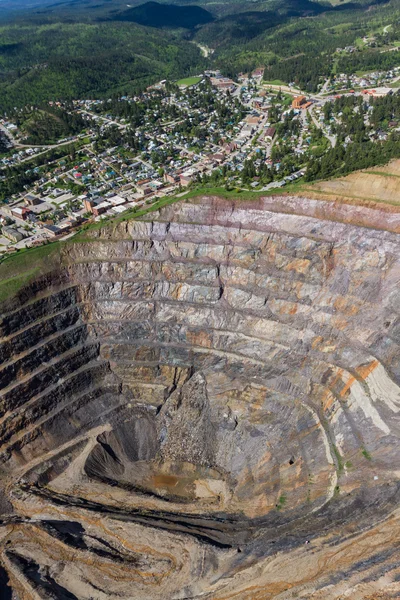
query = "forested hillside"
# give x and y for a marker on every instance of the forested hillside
(65, 61)
(47, 124)
(86, 49)
(303, 49)
(154, 14)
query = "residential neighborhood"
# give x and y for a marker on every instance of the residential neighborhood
(207, 130)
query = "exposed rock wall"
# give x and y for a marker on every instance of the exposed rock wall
(223, 377)
(51, 370)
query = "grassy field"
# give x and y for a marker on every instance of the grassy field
(189, 81)
(21, 268)
(275, 82)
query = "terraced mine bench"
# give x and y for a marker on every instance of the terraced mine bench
(206, 405)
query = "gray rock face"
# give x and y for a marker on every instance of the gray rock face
(185, 427)
(224, 377)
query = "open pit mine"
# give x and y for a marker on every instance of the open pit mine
(205, 404)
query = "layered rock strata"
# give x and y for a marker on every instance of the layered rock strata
(206, 405)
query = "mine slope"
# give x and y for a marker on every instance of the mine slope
(206, 405)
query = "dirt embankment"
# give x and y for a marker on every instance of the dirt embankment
(374, 186)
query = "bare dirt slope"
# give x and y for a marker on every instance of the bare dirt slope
(375, 185)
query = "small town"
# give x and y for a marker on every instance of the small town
(203, 131)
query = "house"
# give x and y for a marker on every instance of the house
(229, 147)
(118, 210)
(52, 230)
(171, 178)
(116, 200)
(299, 101)
(12, 234)
(257, 102)
(270, 133)
(185, 179)
(32, 200)
(156, 185)
(252, 120)
(89, 205)
(222, 83)
(19, 212)
(66, 225)
(258, 73)
(144, 191)
(56, 193)
(101, 208)
(219, 158)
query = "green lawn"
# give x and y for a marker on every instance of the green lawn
(9, 287)
(275, 82)
(22, 267)
(189, 81)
